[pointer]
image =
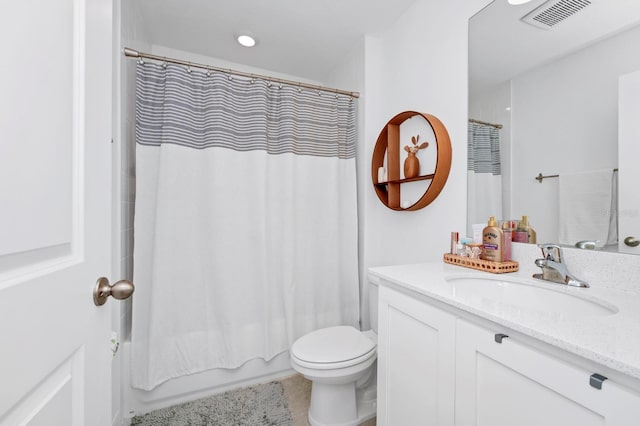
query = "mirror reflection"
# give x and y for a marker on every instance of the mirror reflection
(544, 111)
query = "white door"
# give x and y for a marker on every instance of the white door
(55, 114)
(628, 157)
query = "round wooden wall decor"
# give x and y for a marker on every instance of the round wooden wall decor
(388, 145)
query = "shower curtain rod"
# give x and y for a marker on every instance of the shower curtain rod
(131, 53)
(497, 126)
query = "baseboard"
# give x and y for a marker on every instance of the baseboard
(118, 420)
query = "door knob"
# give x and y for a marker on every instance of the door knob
(632, 241)
(119, 290)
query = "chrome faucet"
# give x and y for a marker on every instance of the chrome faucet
(553, 269)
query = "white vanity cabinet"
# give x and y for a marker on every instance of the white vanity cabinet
(436, 367)
(415, 362)
(512, 383)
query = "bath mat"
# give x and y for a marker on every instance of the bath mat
(258, 405)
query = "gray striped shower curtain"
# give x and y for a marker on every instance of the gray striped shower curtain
(245, 219)
(484, 179)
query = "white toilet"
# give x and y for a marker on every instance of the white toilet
(341, 364)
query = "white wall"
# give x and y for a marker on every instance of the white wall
(220, 63)
(564, 119)
(129, 32)
(418, 63)
(135, 37)
(349, 75)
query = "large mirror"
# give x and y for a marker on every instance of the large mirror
(547, 73)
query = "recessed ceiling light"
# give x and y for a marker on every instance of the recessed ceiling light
(517, 2)
(246, 40)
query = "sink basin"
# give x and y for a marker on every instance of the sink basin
(522, 294)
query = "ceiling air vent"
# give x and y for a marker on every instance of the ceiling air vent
(552, 12)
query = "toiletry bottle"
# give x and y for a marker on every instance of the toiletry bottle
(521, 234)
(531, 235)
(462, 246)
(524, 232)
(454, 243)
(492, 241)
(477, 232)
(508, 226)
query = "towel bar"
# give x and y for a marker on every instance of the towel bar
(540, 177)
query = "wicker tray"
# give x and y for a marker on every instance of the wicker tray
(482, 265)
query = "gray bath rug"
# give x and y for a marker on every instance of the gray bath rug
(255, 405)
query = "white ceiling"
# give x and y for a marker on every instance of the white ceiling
(308, 39)
(297, 37)
(501, 46)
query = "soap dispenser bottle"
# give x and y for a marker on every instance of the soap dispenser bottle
(521, 234)
(524, 232)
(508, 226)
(531, 235)
(492, 241)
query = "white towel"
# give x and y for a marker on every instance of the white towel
(586, 201)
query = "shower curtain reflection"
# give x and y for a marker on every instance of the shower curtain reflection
(484, 180)
(245, 226)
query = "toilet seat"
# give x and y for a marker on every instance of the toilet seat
(333, 348)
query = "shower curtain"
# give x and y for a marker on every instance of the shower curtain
(245, 220)
(484, 181)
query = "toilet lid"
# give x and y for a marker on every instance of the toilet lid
(332, 345)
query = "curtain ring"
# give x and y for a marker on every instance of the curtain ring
(208, 73)
(140, 60)
(189, 67)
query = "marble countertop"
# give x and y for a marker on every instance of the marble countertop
(612, 340)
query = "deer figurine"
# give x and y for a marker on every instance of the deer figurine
(412, 164)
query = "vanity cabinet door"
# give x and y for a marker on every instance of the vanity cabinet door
(510, 383)
(415, 362)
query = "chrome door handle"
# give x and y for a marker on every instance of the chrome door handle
(119, 290)
(632, 241)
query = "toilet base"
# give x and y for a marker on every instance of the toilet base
(341, 405)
